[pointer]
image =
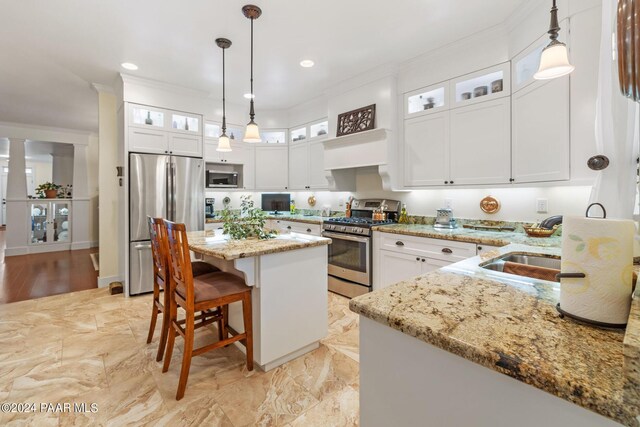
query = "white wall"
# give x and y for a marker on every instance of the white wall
(62, 169)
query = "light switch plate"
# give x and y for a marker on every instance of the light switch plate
(542, 205)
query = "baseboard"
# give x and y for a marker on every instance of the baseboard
(80, 245)
(16, 251)
(103, 282)
(94, 244)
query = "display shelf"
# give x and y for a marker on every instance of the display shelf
(426, 100)
(212, 130)
(235, 133)
(186, 123)
(481, 86)
(274, 137)
(299, 134)
(147, 117)
(319, 129)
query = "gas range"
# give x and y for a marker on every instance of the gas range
(353, 225)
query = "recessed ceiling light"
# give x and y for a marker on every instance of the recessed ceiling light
(249, 95)
(129, 66)
(307, 63)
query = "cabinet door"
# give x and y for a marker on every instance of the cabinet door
(237, 154)
(185, 145)
(210, 153)
(271, 168)
(541, 139)
(395, 267)
(298, 166)
(317, 176)
(481, 143)
(430, 264)
(148, 141)
(426, 150)
(249, 167)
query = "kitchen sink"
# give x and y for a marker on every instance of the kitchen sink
(532, 266)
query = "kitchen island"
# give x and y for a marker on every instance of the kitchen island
(469, 346)
(289, 279)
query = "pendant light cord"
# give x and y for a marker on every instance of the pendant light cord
(224, 110)
(251, 110)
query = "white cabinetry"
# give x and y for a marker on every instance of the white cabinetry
(426, 150)
(399, 257)
(271, 167)
(481, 143)
(317, 176)
(483, 249)
(306, 157)
(285, 226)
(541, 135)
(159, 131)
(299, 165)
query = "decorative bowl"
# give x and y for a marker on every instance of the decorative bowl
(540, 232)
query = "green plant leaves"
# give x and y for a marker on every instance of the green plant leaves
(249, 223)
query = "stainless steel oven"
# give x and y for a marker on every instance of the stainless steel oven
(350, 258)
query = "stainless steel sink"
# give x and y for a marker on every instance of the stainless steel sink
(497, 264)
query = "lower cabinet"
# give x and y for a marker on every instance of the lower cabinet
(398, 257)
(483, 249)
(294, 227)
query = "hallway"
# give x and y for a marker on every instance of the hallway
(39, 275)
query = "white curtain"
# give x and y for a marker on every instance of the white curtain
(616, 129)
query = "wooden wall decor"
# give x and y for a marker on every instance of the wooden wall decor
(357, 120)
(629, 48)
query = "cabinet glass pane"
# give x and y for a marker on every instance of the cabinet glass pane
(235, 133)
(211, 130)
(39, 213)
(61, 223)
(184, 123)
(144, 116)
(299, 134)
(527, 66)
(426, 100)
(319, 129)
(479, 86)
(274, 137)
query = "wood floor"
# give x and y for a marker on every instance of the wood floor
(39, 275)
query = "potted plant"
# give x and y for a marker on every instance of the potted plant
(249, 223)
(48, 190)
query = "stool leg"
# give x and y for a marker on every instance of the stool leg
(186, 354)
(171, 339)
(248, 328)
(165, 325)
(225, 321)
(155, 310)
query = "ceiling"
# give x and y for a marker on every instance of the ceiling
(55, 49)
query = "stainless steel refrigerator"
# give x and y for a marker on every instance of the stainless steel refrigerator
(169, 187)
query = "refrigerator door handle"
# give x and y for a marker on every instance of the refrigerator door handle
(172, 186)
(167, 190)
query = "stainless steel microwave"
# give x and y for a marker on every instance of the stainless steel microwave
(222, 179)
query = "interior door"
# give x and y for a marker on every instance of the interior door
(147, 192)
(187, 192)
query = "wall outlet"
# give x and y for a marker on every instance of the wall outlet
(448, 203)
(542, 205)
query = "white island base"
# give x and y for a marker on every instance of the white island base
(407, 382)
(289, 299)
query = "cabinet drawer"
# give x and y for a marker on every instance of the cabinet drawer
(299, 227)
(439, 249)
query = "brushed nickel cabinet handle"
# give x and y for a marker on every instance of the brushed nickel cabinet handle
(447, 251)
(399, 243)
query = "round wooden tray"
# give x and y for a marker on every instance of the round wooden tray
(540, 232)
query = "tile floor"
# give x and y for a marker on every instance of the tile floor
(89, 347)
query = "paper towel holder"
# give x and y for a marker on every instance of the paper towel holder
(588, 321)
(604, 211)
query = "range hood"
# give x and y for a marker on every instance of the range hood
(345, 154)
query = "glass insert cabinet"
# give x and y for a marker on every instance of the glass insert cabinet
(50, 222)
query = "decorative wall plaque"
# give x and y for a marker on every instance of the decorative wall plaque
(490, 205)
(357, 120)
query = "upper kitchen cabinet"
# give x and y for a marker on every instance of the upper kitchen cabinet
(481, 143)
(235, 156)
(428, 100)
(274, 136)
(161, 131)
(426, 150)
(481, 86)
(270, 167)
(306, 157)
(212, 130)
(541, 133)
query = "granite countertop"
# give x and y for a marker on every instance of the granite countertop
(510, 324)
(307, 219)
(215, 244)
(494, 238)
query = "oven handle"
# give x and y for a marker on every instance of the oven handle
(346, 237)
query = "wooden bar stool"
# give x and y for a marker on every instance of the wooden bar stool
(158, 233)
(193, 294)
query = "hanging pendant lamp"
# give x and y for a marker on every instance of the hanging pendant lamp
(554, 61)
(252, 132)
(223, 140)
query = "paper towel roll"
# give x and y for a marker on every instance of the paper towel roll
(602, 249)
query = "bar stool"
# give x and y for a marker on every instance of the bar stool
(209, 291)
(158, 233)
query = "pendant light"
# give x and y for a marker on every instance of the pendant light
(554, 61)
(252, 133)
(223, 140)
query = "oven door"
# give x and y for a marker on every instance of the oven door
(350, 257)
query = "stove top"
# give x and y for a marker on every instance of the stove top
(358, 221)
